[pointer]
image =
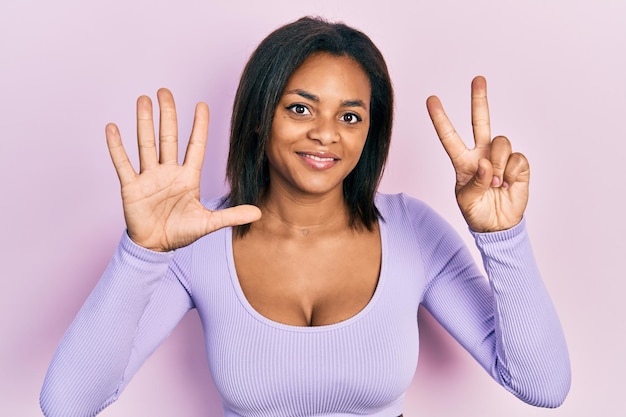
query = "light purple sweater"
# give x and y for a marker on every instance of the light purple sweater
(360, 366)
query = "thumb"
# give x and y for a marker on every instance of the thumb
(232, 216)
(481, 181)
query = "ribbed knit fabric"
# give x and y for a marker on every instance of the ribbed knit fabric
(358, 367)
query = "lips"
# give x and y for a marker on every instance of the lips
(318, 161)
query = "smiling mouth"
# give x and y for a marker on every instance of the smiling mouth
(317, 158)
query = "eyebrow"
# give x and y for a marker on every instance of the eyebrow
(313, 97)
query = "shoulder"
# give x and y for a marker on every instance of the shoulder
(401, 205)
(403, 211)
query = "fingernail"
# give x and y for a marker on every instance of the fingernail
(495, 182)
(505, 184)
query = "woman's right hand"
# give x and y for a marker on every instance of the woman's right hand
(162, 205)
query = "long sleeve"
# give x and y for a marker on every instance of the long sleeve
(507, 322)
(133, 308)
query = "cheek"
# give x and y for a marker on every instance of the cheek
(275, 139)
(278, 145)
(359, 143)
(270, 151)
(356, 150)
(285, 131)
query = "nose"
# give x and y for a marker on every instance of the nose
(324, 131)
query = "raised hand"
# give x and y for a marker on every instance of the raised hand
(162, 205)
(491, 179)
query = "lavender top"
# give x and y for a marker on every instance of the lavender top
(360, 366)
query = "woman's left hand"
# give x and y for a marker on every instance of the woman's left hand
(491, 179)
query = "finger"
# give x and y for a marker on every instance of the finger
(481, 181)
(500, 152)
(145, 134)
(168, 128)
(197, 143)
(232, 216)
(123, 167)
(451, 141)
(480, 112)
(517, 170)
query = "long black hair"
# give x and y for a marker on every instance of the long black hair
(261, 86)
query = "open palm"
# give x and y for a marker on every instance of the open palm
(161, 203)
(491, 180)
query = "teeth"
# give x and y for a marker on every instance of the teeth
(317, 158)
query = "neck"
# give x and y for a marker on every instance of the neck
(291, 215)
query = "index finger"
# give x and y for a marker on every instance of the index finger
(197, 142)
(480, 112)
(450, 139)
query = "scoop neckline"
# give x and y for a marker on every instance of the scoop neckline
(234, 278)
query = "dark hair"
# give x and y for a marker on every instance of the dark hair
(261, 86)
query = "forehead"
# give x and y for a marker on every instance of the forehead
(323, 72)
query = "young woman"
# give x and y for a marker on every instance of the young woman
(307, 280)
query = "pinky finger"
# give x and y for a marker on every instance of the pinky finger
(123, 167)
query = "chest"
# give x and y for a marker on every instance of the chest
(361, 365)
(309, 281)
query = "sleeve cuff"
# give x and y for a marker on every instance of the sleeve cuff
(500, 236)
(129, 247)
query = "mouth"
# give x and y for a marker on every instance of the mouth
(317, 158)
(318, 161)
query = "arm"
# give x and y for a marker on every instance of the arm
(507, 323)
(140, 298)
(133, 308)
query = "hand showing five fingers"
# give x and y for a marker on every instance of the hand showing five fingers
(491, 179)
(161, 203)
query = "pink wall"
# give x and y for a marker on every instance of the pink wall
(557, 89)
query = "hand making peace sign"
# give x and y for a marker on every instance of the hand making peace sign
(162, 205)
(491, 179)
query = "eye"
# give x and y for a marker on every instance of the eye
(299, 109)
(351, 118)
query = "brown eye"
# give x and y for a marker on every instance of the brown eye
(299, 109)
(351, 118)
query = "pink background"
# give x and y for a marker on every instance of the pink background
(557, 89)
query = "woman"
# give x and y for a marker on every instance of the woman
(307, 280)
